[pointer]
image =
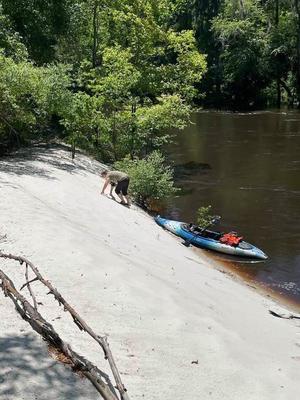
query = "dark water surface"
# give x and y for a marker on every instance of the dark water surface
(252, 179)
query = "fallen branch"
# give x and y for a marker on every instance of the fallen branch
(29, 288)
(101, 340)
(27, 283)
(283, 315)
(46, 330)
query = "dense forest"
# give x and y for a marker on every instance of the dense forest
(115, 77)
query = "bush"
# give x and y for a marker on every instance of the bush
(150, 179)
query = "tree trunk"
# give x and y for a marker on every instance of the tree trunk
(95, 33)
(288, 91)
(97, 137)
(278, 89)
(278, 100)
(297, 66)
(242, 10)
(73, 148)
(133, 130)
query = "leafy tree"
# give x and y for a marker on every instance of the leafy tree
(144, 77)
(29, 97)
(153, 122)
(84, 122)
(10, 40)
(252, 49)
(241, 30)
(40, 23)
(198, 15)
(182, 65)
(129, 79)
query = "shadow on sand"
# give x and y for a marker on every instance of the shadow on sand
(40, 160)
(28, 372)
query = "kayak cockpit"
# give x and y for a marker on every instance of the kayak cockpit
(214, 235)
(204, 233)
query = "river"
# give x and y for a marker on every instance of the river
(247, 167)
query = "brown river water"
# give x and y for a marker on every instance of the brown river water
(247, 167)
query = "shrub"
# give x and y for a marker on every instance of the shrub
(150, 179)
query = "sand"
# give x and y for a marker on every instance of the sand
(178, 328)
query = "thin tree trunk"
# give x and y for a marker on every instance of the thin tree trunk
(278, 100)
(133, 130)
(297, 7)
(242, 10)
(95, 33)
(114, 136)
(278, 90)
(288, 91)
(73, 148)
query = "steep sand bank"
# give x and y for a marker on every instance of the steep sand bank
(160, 304)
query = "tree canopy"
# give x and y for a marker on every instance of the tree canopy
(113, 76)
(117, 76)
(252, 47)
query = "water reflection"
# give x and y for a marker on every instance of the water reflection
(253, 181)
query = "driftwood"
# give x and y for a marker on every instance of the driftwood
(283, 315)
(30, 314)
(46, 330)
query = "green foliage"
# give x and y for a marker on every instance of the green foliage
(133, 76)
(39, 23)
(198, 16)
(10, 40)
(252, 49)
(242, 34)
(137, 75)
(185, 65)
(115, 79)
(150, 178)
(131, 55)
(82, 120)
(29, 97)
(153, 122)
(204, 218)
(118, 76)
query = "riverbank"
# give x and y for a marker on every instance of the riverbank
(177, 327)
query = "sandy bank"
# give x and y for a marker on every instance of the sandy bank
(161, 306)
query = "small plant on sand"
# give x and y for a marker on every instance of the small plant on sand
(204, 218)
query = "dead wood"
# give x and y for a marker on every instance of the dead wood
(29, 288)
(81, 324)
(46, 330)
(283, 315)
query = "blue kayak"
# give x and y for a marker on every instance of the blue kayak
(210, 240)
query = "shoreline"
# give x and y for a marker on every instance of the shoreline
(242, 277)
(226, 266)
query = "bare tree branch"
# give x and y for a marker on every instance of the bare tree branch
(29, 288)
(27, 283)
